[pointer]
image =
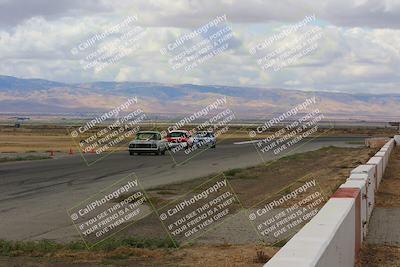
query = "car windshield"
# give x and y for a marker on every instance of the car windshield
(146, 136)
(176, 134)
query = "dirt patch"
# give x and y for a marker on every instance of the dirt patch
(255, 186)
(246, 255)
(380, 256)
(330, 166)
(376, 142)
(389, 190)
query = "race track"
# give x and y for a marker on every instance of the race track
(35, 195)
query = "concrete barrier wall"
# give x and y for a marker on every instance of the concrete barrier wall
(369, 182)
(368, 174)
(382, 154)
(379, 167)
(397, 139)
(335, 235)
(318, 242)
(391, 143)
(364, 204)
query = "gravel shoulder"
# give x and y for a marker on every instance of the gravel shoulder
(383, 240)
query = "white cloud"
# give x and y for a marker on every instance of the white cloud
(352, 56)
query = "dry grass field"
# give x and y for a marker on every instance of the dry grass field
(45, 138)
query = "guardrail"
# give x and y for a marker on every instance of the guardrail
(335, 235)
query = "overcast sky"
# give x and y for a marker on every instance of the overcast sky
(358, 50)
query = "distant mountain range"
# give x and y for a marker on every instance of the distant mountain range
(33, 96)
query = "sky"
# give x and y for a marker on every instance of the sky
(345, 45)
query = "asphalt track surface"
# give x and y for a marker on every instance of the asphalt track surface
(35, 195)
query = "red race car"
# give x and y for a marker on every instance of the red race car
(179, 138)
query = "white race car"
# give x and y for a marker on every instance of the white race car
(148, 142)
(202, 139)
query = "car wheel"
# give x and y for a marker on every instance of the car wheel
(163, 152)
(213, 146)
(131, 153)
